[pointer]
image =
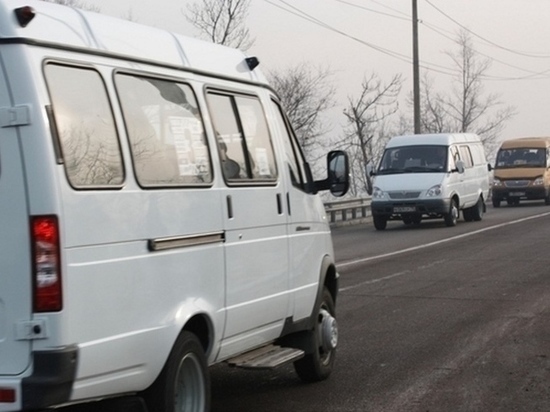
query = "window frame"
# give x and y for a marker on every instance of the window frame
(179, 81)
(297, 152)
(58, 144)
(232, 96)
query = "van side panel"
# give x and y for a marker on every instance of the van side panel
(15, 255)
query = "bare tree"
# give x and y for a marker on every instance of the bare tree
(433, 116)
(222, 21)
(367, 125)
(76, 3)
(467, 108)
(305, 94)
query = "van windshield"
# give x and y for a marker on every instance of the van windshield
(520, 157)
(414, 159)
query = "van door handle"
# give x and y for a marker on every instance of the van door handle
(303, 228)
(279, 204)
(229, 207)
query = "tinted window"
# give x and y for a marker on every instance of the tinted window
(165, 130)
(85, 127)
(418, 159)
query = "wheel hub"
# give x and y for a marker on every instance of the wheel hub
(329, 331)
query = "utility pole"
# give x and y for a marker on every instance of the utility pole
(416, 70)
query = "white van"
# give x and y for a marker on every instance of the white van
(431, 176)
(157, 216)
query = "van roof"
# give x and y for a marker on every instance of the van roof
(65, 27)
(443, 139)
(526, 142)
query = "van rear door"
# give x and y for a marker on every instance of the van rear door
(15, 269)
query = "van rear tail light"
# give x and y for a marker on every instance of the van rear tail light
(7, 395)
(46, 262)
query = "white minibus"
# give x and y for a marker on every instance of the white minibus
(431, 176)
(157, 215)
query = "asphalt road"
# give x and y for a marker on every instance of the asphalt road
(431, 319)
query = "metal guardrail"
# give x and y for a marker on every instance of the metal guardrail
(349, 211)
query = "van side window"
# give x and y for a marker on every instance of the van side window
(165, 131)
(85, 127)
(466, 156)
(244, 143)
(293, 154)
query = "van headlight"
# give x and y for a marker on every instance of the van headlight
(538, 181)
(497, 182)
(434, 191)
(377, 193)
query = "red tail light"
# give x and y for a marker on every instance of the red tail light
(46, 261)
(7, 395)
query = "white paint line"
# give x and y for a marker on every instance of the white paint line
(394, 275)
(368, 282)
(438, 242)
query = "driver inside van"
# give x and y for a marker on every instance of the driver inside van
(438, 159)
(231, 168)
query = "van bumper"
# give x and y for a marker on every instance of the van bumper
(419, 207)
(52, 379)
(529, 193)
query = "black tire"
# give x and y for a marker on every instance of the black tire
(496, 202)
(452, 216)
(318, 362)
(380, 222)
(477, 210)
(417, 219)
(547, 200)
(184, 383)
(407, 220)
(467, 214)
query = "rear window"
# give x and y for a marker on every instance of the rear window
(88, 140)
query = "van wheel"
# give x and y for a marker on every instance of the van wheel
(467, 214)
(496, 202)
(322, 341)
(452, 217)
(547, 200)
(380, 222)
(477, 210)
(184, 383)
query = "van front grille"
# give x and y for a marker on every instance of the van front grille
(404, 195)
(516, 183)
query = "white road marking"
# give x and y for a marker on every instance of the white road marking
(438, 242)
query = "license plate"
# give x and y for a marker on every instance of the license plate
(516, 194)
(404, 209)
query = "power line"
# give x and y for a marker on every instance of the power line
(486, 40)
(448, 71)
(532, 73)
(374, 11)
(404, 58)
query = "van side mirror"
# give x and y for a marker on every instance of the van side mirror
(489, 167)
(337, 180)
(369, 170)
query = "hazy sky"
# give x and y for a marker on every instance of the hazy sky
(354, 38)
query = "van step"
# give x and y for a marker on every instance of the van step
(267, 357)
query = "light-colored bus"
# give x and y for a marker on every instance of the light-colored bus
(431, 176)
(157, 215)
(522, 171)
